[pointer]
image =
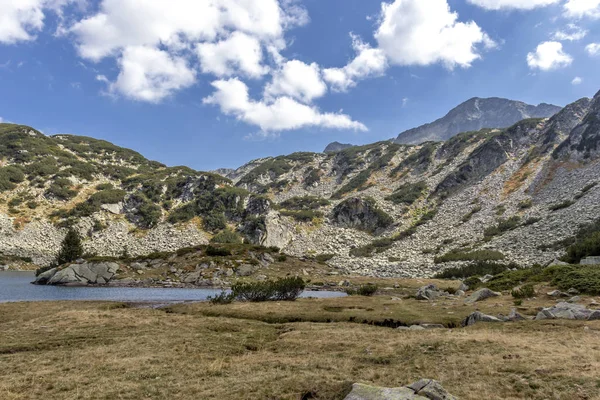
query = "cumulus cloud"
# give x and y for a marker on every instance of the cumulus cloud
(577, 81)
(281, 114)
(149, 74)
(549, 56)
(572, 33)
(20, 20)
(298, 80)
(593, 49)
(368, 62)
(238, 54)
(582, 8)
(512, 4)
(416, 32)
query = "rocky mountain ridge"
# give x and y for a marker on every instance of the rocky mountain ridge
(384, 209)
(476, 114)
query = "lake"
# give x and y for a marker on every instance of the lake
(16, 286)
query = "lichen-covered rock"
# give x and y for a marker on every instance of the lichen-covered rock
(429, 292)
(565, 310)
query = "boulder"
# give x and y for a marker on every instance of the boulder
(425, 389)
(565, 311)
(83, 274)
(480, 295)
(428, 292)
(479, 317)
(594, 316)
(463, 287)
(557, 293)
(486, 278)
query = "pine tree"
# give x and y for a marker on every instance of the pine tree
(71, 248)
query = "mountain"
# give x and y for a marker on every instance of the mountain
(336, 146)
(519, 194)
(476, 114)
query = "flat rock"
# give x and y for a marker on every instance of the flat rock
(424, 389)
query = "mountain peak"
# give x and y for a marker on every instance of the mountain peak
(475, 114)
(336, 146)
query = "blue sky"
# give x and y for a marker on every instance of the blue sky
(216, 83)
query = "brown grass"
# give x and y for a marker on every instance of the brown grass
(108, 351)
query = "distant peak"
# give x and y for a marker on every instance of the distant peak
(337, 146)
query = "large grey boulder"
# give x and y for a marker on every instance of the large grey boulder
(83, 274)
(477, 316)
(428, 292)
(425, 389)
(480, 295)
(565, 310)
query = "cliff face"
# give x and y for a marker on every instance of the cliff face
(476, 114)
(382, 209)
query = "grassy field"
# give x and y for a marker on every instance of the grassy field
(83, 350)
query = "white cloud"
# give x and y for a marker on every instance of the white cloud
(548, 56)
(20, 20)
(577, 81)
(123, 23)
(571, 33)
(284, 113)
(1, 120)
(149, 74)
(582, 8)
(593, 49)
(512, 4)
(240, 53)
(417, 32)
(297, 80)
(368, 62)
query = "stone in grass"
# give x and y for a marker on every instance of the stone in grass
(425, 389)
(479, 317)
(480, 295)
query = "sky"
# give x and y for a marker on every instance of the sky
(217, 83)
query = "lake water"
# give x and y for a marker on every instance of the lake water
(16, 286)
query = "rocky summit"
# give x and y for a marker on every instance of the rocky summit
(476, 114)
(517, 194)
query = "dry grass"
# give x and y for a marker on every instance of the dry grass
(104, 351)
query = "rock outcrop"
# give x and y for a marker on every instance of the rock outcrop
(480, 295)
(79, 274)
(565, 310)
(422, 390)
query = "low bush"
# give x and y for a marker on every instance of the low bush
(408, 194)
(367, 290)
(302, 215)
(480, 268)
(525, 292)
(227, 236)
(461, 255)
(285, 289)
(525, 204)
(585, 244)
(212, 251)
(222, 298)
(561, 206)
(503, 225)
(304, 203)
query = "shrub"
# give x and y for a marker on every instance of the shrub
(525, 292)
(504, 225)
(561, 206)
(585, 244)
(408, 194)
(105, 186)
(222, 298)
(286, 289)
(367, 290)
(71, 248)
(227, 236)
(478, 255)
(282, 258)
(324, 257)
(12, 174)
(302, 215)
(212, 251)
(467, 217)
(479, 268)
(525, 204)
(215, 221)
(61, 189)
(304, 203)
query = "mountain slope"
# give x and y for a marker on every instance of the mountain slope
(517, 194)
(476, 114)
(336, 146)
